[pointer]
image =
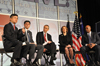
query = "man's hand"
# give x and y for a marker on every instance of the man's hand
(23, 30)
(89, 45)
(93, 45)
(44, 50)
(49, 42)
(34, 43)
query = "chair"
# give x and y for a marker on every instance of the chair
(46, 56)
(63, 52)
(2, 50)
(91, 57)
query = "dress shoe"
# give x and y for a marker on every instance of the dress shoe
(17, 63)
(53, 58)
(36, 64)
(72, 64)
(28, 63)
(12, 64)
(98, 63)
(87, 64)
(51, 63)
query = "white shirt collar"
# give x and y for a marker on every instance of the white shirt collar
(26, 30)
(89, 33)
(44, 33)
(12, 24)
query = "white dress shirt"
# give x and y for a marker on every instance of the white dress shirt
(89, 34)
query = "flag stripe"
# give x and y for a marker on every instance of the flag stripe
(76, 38)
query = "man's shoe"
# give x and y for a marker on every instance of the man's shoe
(17, 62)
(28, 63)
(12, 64)
(98, 63)
(53, 58)
(86, 64)
(51, 63)
(36, 64)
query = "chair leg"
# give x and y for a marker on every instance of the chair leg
(66, 58)
(1, 59)
(39, 61)
(92, 60)
(47, 60)
(61, 60)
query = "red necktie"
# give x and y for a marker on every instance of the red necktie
(14, 26)
(45, 37)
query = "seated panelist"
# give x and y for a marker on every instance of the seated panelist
(11, 40)
(28, 40)
(65, 41)
(45, 39)
(90, 41)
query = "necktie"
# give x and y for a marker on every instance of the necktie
(28, 36)
(14, 26)
(89, 39)
(45, 37)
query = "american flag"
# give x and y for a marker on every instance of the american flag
(77, 38)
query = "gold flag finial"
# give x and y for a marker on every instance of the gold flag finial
(75, 12)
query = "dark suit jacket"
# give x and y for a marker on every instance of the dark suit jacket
(68, 41)
(11, 36)
(24, 38)
(94, 38)
(40, 38)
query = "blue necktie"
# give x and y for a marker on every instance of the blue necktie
(28, 35)
(89, 39)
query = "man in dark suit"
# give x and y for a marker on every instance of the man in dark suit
(45, 39)
(90, 41)
(11, 40)
(27, 38)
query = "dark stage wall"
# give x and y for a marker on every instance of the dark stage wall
(90, 10)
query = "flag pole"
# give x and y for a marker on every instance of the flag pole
(77, 8)
(13, 6)
(76, 12)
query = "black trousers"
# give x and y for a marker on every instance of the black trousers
(51, 47)
(31, 49)
(85, 49)
(28, 49)
(17, 49)
(22, 51)
(39, 49)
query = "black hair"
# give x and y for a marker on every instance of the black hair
(27, 21)
(13, 15)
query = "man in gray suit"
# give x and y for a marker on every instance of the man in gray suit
(90, 41)
(27, 38)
